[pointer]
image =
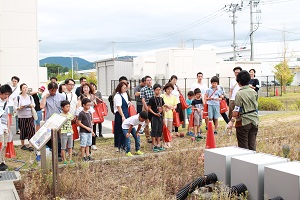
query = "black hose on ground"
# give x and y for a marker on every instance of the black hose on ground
(199, 182)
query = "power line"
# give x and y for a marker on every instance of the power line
(274, 29)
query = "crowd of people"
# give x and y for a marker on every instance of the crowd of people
(155, 104)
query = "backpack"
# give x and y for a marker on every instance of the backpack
(111, 103)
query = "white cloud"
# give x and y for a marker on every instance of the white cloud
(83, 28)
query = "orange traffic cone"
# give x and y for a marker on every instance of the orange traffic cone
(276, 92)
(210, 137)
(10, 150)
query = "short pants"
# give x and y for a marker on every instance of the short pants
(85, 139)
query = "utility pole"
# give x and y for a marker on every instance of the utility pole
(113, 49)
(233, 8)
(253, 3)
(72, 67)
(193, 44)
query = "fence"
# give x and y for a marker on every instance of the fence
(268, 85)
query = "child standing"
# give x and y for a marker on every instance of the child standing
(128, 127)
(5, 91)
(213, 97)
(197, 104)
(189, 110)
(170, 105)
(156, 110)
(66, 132)
(85, 120)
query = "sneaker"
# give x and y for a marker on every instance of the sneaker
(94, 147)
(190, 134)
(60, 159)
(199, 136)
(3, 167)
(149, 141)
(72, 162)
(215, 132)
(18, 132)
(129, 154)
(89, 158)
(65, 162)
(30, 149)
(24, 148)
(138, 152)
(84, 159)
(161, 149)
(155, 149)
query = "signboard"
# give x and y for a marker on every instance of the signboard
(43, 135)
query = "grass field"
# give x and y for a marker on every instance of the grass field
(154, 175)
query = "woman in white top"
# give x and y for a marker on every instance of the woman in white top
(23, 104)
(121, 104)
(176, 92)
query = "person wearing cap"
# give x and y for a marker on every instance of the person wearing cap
(37, 97)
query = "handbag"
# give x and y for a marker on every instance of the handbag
(97, 115)
(166, 134)
(223, 106)
(191, 122)
(176, 119)
(75, 131)
(103, 107)
(183, 102)
(34, 114)
(131, 110)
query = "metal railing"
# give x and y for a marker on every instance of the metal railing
(269, 86)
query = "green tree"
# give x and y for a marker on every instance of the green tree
(92, 78)
(283, 74)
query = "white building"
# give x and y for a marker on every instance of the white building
(109, 70)
(19, 42)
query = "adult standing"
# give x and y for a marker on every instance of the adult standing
(254, 82)
(72, 98)
(51, 102)
(70, 95)
(15, 92)
(37, 97)
(245, 113)
(176, 92)
(98, 100)
(146, 93)
(23, 104)
(137, 94)
(121, 104)
(234, 87)
(203, 87)
(82, 82)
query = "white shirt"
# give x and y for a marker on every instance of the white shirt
(235, 87)
(203, 87)
(3, 119)
(13, 95)
(176, 93)
(118, 100)
(72, 98)
(25, 112)
(134, 121)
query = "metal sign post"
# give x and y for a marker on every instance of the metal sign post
(54, 162)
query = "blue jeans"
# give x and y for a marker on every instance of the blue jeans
(127, 140)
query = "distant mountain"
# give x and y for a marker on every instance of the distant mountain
(66, 62)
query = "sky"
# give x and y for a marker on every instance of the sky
(97, 29)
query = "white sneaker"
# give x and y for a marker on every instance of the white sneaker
(94, 147)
